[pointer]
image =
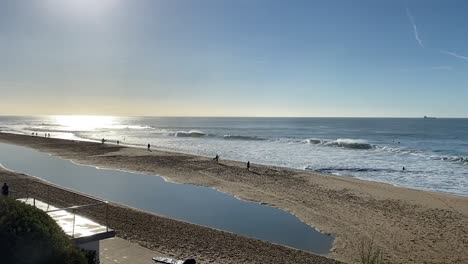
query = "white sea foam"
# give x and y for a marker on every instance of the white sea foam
(314, 141)
(238, 137)
(350, 143)
(191, 133)
(431, 161)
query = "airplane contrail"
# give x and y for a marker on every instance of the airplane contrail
(454, 55)
(415, 28)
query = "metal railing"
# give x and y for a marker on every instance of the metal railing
(73, 209)
(61, 199)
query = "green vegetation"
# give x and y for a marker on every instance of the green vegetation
(369, 252)
(29, 235)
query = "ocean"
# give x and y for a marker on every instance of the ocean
(433, 152)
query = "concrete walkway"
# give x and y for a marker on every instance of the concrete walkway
(118, 250)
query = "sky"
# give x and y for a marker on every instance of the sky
(366, 58)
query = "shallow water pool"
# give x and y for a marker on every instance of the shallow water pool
(195, 204)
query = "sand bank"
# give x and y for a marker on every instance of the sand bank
(410, 226)
(166, 236)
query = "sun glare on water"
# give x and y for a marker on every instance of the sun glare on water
(84, 123)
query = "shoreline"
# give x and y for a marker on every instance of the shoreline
(144, 147)
(348, 208)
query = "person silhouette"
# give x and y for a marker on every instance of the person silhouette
(5, 190)
(248, 165)
(149, 147)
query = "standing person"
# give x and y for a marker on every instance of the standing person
(149, 147)
(216, 158)
(5, 189)
(103, 140)
(118, 142)
(248, 165)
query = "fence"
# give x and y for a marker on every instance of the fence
(52, 199)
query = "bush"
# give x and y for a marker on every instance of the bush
(29, 235)
(369, 252)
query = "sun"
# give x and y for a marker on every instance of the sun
(81, 8)
(83, 122)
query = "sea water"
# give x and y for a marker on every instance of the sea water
(433, 152)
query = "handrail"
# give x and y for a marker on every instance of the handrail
(75, 207)
(49, 184)
(30, 193)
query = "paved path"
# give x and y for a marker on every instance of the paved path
(118, 250)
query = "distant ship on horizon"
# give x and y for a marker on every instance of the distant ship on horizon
(429, 117)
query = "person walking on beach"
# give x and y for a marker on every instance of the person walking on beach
(5, 190)
(248, 165)
(103, 140)
(216, 158)
(149, 147)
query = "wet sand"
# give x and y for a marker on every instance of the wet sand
(410, 226)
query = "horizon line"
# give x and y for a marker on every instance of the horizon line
(363, 117)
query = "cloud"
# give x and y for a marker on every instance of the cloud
(454, 55)
(415, 28)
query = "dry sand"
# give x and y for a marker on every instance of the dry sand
(410, 226)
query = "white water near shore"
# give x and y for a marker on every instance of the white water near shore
(433, 152)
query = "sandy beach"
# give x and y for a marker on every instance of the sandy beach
(410, 226)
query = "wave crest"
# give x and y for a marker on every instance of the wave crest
(234, 137)
(350, 143)
(191, 133)
(314, 141)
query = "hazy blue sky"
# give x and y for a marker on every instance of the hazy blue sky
(234, 58)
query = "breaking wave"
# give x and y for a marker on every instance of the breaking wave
(191, 133)
(341, 142)
(350, 143)
(234, 137)
(314, 141)
(426, 155)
